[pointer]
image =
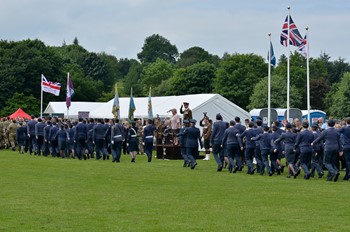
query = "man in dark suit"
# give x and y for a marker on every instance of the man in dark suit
(332, 148)
(39, 136)
(53, 140)
(47, 146)
(304, 140)
(147, 138)
(182, 141)
(117, 138)
(345, 131)
(31, 135)
(217, 135)
(193, 137)
(99, 133)
(80, 137)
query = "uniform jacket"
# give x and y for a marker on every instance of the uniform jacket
(217, 135)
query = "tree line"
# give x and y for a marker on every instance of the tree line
(241, 78)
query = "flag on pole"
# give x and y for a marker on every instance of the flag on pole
(150, 112)
(273, 58)
(116, 107)
(132, 108)
(303, 47)
(50, 87)
(70, 91)
(295, 37)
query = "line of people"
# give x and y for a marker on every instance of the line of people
(82, 139)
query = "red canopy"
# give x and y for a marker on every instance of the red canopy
(19, 114)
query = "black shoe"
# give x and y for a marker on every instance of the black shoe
(220, 168)
(312, 175)
(104, 157)
(346, 177)
(185, 164)
(240, 168)
(133, 160)
(270, 173)
(118, 161)
(320, 175)
(189, 165)
(298, 172)
(194, 165)
(236, 169)
(252, 172)
(34, 153)
(336, 177)
(113, 160)
(108, 157)
(84, 157)
(282, 169)
(149, 159)
(230, 169)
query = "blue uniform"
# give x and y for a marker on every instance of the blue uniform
(31, 135)
(233, 144)
(39, 135)
(264, 140)
(332, 147)
(117, 138)
(250, 148)
(304, 140)
(345, 131)
(53, 140)
(182, 142)
(47, 145)
(217, 135)
(147, 139)
(317, 156)
(258, 157)
(98, 136)
(193, 137)
(62, 137)
(80, 137)
(288, 140)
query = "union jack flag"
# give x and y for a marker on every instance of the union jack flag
(295, 37)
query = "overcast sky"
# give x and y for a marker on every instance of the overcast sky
(120, 27)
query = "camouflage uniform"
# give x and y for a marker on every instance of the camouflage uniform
(6, 133)
(12, 129)
(2, 134)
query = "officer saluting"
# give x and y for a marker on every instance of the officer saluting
(187, 113)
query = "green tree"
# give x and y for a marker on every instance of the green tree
(194, 79)
(338, 99)
(154, 73)
(278, 94)
(29, 104)
(156, 46)
(195, 55)
(132, 80)
(237, 76)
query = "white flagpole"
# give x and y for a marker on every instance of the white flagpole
(269, 85)
(308, 76)
(42, 96)
(66, 93)
(288, 64)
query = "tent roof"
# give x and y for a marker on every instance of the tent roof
(61, 108)
(19, 114)
(198, 103)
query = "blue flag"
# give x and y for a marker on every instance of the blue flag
(132, 108)
(273, 58)
(150, 112)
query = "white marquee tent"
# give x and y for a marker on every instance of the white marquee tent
(198, 103)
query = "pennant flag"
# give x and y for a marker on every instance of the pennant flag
(273, 58)
(132, 108)
(116, 107)
(50, 87)
(295, 37)
(303, 47)
(70, 91)
(150, 112)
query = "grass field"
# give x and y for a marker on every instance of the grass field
(50, 194)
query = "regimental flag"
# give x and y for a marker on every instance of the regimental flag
(132, 108)
(150, 112)
(49, 86)
(303, 48)
(70, 91)
(116, 107)
(295, 37)
(273, 58)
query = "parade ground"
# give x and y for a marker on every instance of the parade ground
(53, 194)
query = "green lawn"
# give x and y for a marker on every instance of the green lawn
(50, 194)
